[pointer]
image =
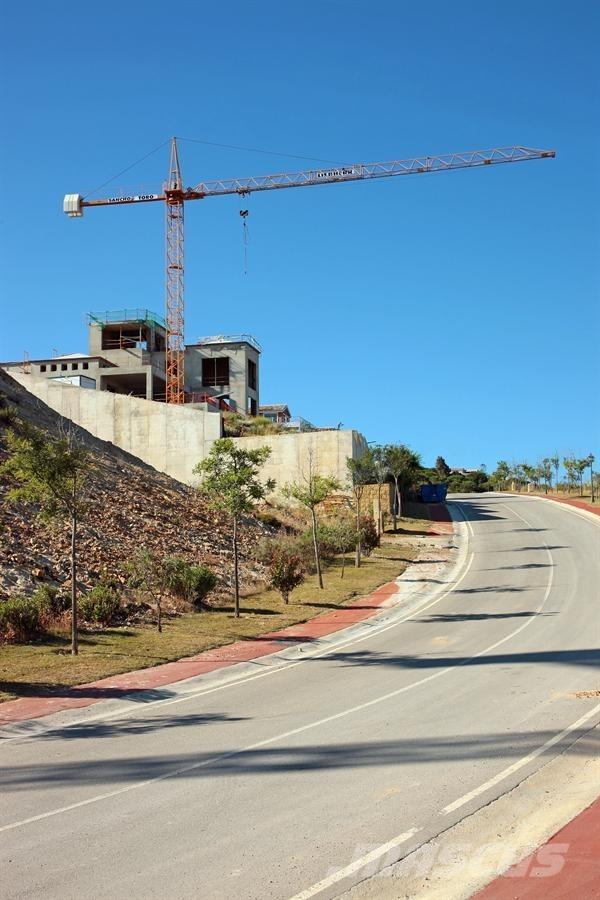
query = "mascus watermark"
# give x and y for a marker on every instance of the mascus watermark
(466, 858)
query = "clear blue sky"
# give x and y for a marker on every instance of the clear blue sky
(457, 312)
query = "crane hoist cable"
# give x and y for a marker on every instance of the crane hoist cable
(244, 215)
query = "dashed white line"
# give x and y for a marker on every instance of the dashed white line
(357, 865)
(510, 770)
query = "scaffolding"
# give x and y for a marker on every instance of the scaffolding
(116, 316)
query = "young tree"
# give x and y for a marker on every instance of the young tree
(361, 472)
(546, 472)
(51, 474)
(569, 463)
(502, 474)
(341, 535)
(590, 462)
(382, 473)
(310, 492)
(442, 468)
(580, 467)
(403, 465)
(230, 482)
(153, 574)
(528, 473)
(284, 562)
(555, 463)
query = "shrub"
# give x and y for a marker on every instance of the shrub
(8, 415)
(342, 537)
(20, 619)
(191, 583)
(52, 604)
(285, 561)
(327, 550)
(368, 535)
(101, 605)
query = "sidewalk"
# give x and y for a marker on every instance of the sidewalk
(118, 686)
(567, 867)
(580, 504)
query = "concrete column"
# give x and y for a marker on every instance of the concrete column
(149, 385)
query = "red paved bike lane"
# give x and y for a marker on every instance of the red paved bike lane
(118, 686)
(567, 867)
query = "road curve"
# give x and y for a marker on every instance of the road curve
(305, 782)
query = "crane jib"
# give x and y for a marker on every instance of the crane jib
(137, 198)
(342, 172)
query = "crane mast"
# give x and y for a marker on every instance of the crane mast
(175, 346)
(175, 195)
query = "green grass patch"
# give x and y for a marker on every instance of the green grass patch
(27, 669)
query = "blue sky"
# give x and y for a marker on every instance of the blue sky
(457, 312)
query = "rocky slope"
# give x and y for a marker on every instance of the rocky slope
(130, 505)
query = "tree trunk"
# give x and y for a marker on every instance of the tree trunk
(159, 613)
(285, 596)
(74, 635)
(395, 508)
(358, 541)
(236, 578)
(316, 546)
(343, 564)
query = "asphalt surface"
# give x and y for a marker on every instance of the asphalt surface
(304, 781)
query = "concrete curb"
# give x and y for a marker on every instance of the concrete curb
(469, 856)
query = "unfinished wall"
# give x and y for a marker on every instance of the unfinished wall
(170, 438)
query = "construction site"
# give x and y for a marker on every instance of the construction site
(144, 389)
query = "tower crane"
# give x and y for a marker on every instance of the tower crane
(174, 195)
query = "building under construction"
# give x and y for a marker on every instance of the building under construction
(126, 355)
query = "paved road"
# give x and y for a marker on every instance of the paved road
(298, 783)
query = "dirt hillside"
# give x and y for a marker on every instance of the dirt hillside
(130, 505)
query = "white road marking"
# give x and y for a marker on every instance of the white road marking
(349, 711)
(322, 651)
(279, 737)
(551, 741)
(520, 763)
(357, 865)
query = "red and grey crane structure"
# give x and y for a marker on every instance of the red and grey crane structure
(174, 196)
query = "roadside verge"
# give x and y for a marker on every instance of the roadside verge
(444, 553)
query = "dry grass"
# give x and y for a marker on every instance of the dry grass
(29, 668)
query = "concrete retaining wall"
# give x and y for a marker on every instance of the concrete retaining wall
(173, 439)
(291, 454)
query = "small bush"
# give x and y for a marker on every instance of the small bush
(368, 535)
(342, 537)
(285, 561)
(202, 581)
(101, 605)
(52, 604)
(20, 619)
(327, 550)
(191, 583)
(8, 415)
